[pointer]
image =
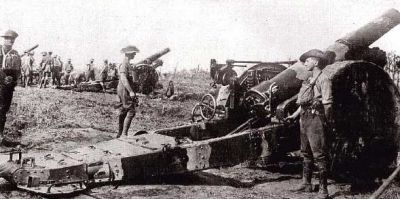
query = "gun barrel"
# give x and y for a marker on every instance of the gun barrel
(289, 81)
(366, 35)
(154, 57)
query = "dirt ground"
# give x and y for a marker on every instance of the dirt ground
(46, 120)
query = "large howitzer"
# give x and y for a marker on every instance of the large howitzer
(146, 71)
(362, 92)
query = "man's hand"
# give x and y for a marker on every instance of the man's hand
(8, 80)
(132, 95)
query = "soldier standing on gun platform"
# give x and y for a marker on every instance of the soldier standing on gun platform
(126, 90)
(315, 100)
(10, 71)
(90, 71)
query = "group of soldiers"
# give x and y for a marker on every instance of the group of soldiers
(53, 68)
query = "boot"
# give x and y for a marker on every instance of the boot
(306, 185)
(121, 119)
(127, 122)
(323, 183)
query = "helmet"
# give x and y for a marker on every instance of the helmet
(10, 33)
(129, 49)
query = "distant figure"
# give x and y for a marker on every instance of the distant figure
(170, 90)
(46, 67)
(112, 72)
(27, 68)
(10, 70)
(126, 92)
(104, 74)
(90, 71)
(56, 70)
(68, 68)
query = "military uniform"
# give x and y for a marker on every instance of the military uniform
(104, 72)
(127, 103)
(90, 71)
(67, 71)
(112, 72)
(27, 69)
(315, 93)
(46, 69)
(56, 70)
(10, 70)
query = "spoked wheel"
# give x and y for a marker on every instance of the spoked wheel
(208, 107)
(196, 113)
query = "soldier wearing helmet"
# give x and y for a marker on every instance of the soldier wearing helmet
(126, 90)
(10, 70)
(90, 71)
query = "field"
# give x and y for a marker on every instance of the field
(45, 120)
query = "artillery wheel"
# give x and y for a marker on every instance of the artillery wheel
(208, 107)
(196, 113)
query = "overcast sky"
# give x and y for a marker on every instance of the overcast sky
(196, 31)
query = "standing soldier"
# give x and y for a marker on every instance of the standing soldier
(46, 67)
(10, 70)
(90, 71)
(56, 70)
(112, 72)
(68, 68)
(126, 91)
(315, 100)
(27, 68)
(104, 74)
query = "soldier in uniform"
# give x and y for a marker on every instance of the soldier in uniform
(315, 100)
(27, 68)
(68, 68)
(112, 72)
(10, 70)
(90, 71)
(56, 70)
(126, 90)
(104, 74)
(46, 68)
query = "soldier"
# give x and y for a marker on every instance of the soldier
(68, 68)
(112, 72)
(126, 90)
(315, 100)
(27, 68)
(10, 70)
(90, 71)
(104, 74)
(56, 70)
(46, 67)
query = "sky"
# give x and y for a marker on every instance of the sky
(194, 30)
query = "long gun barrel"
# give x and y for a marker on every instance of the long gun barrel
(30, 49)
(154, 57)
(289, 81)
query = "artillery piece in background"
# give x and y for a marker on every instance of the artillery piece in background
(366, 109)
(145, 71)
(365, 135)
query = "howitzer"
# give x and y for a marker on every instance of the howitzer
(30, 49)
(146, 71)
(154, 57)
(366, 108)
